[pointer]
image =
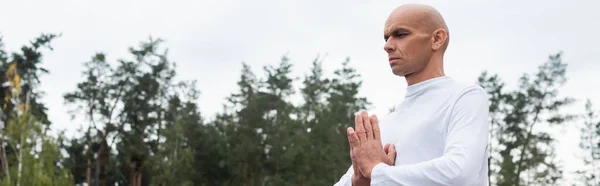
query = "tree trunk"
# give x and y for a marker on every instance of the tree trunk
(20, 166)
(20, 161)
(593, 149)
(517, 179)
(491, 150)
(524, 147)
(132, 175)
(3, 159)
(135, 178)
(277, 168)
(88, 175)
(244, 178)
(139, 178)
(99, 161)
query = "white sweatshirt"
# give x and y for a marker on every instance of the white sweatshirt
(440, 132)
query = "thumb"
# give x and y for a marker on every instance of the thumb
(386, 148)
(351, 141)
(391, 152)
(355, 167)
(354, 164)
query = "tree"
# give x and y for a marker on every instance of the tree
(312, 146)
(27, 65)
(245, 138)
(97, 98)
(215, 150)
(523, 154)
(174, 161)
(145, 101)
(128, 107)
(142, 127)
(76, 160)
(21, 71)
(590, 144)
(343, 101)
(314, 92)
(30, 156)
(284, 130)
(37, 156)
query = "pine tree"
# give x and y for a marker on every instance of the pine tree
(245, 131)
(590, 144)
(524, 154)
(312, 146)
(280, 128)
(128, 112)
(150, 75)
(343, 102)
(96, 98)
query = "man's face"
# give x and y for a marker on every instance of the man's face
(408, 43)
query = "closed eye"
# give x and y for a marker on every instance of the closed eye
(400, 35)
(396, 35)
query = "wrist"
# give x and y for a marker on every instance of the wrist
(369, 169)
(359, 180)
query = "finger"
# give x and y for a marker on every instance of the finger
(352, 138)
(349, 138)
(367, 124)
(354, 164)
(392, 153)
(352, 141)
(376, 130)
(386, 148)
(360, 129)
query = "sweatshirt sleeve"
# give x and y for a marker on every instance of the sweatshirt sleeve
(464, 154)
(346, 179)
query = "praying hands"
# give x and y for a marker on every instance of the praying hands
(366, 149)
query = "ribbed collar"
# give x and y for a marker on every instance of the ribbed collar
(421, 86)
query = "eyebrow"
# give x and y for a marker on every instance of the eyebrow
(395, 32)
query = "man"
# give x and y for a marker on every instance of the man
(439, 134)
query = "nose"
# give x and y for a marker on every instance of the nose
(389, 47)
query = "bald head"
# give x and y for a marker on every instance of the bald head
(416, 39)
(423, 18)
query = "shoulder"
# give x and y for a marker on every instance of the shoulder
(468, 99)
(467, 92)
(473, 92)
(470, 106)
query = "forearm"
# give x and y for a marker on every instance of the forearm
(447, 170)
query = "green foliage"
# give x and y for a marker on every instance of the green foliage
(142, 127)
(35, 152)
(134, 115)
(522, 154)
(28, 66)
(590, 144)
(29, 155)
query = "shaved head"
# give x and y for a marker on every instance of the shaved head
(416, 38)
(422, 17)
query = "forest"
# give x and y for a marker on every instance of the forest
(142, 127)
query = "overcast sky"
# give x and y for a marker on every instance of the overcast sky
(210, 39)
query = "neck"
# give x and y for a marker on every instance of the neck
(433, 69)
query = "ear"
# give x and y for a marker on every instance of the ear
(440, 38)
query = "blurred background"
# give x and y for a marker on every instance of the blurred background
(260, 92)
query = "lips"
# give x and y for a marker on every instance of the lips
(392, 59)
